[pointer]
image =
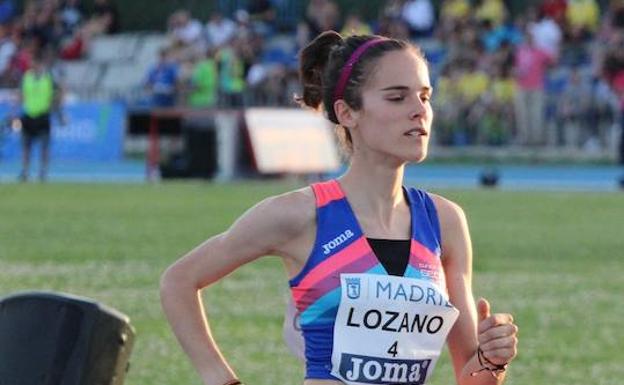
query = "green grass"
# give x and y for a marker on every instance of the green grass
(552, 259)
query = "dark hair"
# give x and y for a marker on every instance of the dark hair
(322, 61)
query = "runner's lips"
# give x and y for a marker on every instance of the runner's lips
(418, 131)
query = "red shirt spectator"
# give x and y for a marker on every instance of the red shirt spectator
(555, 9)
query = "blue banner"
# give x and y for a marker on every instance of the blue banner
(92, 132)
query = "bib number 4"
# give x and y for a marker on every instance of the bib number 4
(393, 350)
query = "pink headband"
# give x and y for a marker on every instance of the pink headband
(348, 67)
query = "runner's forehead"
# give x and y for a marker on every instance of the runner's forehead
(400, 69)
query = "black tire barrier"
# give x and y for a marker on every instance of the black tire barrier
(51, 338)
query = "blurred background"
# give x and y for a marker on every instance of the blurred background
(516, 82)
(529, 95)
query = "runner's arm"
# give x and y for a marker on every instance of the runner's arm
(457, 261)
(256, 233)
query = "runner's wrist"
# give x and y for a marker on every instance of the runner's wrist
(486, 365)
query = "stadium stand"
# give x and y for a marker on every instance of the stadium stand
(466, 42)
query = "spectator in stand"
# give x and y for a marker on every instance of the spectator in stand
(76, 46)
(473, 83)
(108, 14)
(546, 34)
(447, 98)
(573, 111)
(503, 60)
(71, 15)
(492, 115)
(231, 74)
(398, 30)
(7, 11)
(493, 38)
(555, 10)
(454, 47)
(492, 10)
(244, 26)
(354, 25)
(453, 13)
(583, 17)
(390, 23)
(613, 72)
(618, 87)
(204, 80)
(322, 15)
(420, 17)
(42, 28)
(185, 30)
(219, 30)
(530, 66)
(603, 112)
(503, 91)
(249, 48)
(28, 47)
(7, 51)
(455, 10)
(393, 8)
(302, 35)
(617, 15)
(263, 15)
(612, 23)
(27, 21)
(465, 45)
(162, 80)
(266, 84)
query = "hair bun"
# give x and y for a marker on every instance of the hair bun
(313, 59)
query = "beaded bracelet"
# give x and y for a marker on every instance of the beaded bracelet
(494, 369)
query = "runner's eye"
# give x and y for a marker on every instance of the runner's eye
(398, 98)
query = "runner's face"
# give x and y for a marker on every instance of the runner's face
(396, 115)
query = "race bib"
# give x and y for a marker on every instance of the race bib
(389, 330)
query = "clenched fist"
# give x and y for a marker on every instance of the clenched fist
(497, 335)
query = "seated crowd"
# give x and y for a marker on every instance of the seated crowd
(551, 74)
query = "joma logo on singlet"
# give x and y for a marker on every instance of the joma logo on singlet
(339, 240)
(377, 370)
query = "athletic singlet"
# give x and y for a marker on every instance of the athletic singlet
(341, 260)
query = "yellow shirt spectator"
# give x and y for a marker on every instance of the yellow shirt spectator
(583, 13)
(472, 85)
(455, 9)
(493, 10)
(503, 90)
(444, 92)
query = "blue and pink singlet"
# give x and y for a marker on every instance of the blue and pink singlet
(342, 260)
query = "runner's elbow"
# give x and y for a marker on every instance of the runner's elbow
(173, 282)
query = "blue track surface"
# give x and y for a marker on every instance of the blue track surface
(570, 177)
(83, 172)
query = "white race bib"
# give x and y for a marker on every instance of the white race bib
(389, 329)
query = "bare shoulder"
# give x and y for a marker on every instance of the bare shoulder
(273, 222)
(291, 211)
(262, 229)
(455, 241)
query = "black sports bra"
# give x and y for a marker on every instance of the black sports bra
(393, 254)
